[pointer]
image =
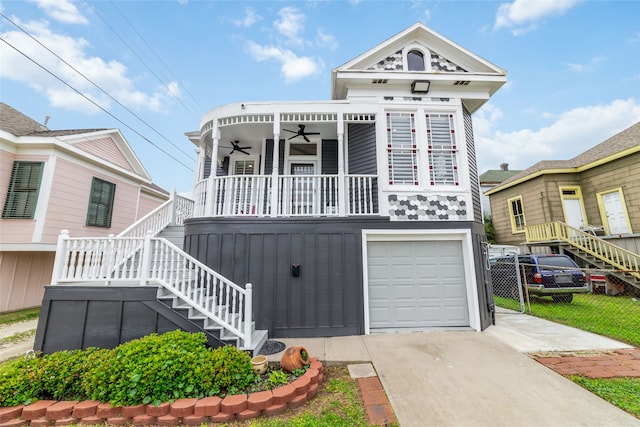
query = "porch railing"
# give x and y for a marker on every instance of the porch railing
(622, 259)
(288, 195)
(155, 261)
(172, 212)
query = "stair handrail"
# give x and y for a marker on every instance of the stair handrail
(623, 259)
(90, 260)
(172, 212)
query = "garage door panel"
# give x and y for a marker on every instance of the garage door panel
(416, 284)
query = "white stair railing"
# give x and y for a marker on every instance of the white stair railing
(156, 262)
(172, 212)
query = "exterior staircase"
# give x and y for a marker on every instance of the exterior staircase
(149, 253)
(617, 261)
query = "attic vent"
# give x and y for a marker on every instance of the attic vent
(462, 83)
(379, 81)
(569, 192)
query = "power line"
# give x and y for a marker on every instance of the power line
(94, 103)
(156, 55)
(97, 86)
(138, 56)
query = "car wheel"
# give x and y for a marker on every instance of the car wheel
(566, 298)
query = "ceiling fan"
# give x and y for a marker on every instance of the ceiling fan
(236, 147)
(301, 133)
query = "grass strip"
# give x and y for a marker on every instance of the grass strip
(621, 392)
(19, 316)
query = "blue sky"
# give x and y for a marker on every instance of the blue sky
(573, 66)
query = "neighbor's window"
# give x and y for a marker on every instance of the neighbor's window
(401, 149)
(442, 149)
(101, 203)
(516, 212)
(415, 61)
(23, 190)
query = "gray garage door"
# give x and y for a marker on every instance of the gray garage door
(416, 285)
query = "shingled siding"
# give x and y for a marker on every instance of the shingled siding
(326, 299)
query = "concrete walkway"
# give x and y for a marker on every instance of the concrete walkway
(467, 378)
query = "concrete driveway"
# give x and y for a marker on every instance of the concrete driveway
(465, 378)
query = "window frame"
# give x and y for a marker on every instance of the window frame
(402, 151)
(16, 189)
(440, 151)
(513, 217)
(92, 215)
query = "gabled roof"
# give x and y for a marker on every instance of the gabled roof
(449, 65)
(622, 144)
(107, 146)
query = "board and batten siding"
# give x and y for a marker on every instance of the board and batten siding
(106, 149)
(69, 202)
(23, 276)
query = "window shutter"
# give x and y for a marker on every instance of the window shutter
(442, 149)
(24, 186)
(101, 199)
(401, 149)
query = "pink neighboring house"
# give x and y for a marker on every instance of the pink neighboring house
(87, 181)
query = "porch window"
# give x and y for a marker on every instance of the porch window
(101, 203)
(516, 212)
(402, 152)
(22, 194)
(442, 149)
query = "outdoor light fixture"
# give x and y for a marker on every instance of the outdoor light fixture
(420, 86)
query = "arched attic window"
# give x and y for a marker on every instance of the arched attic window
(415, 60)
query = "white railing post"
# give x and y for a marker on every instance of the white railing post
(248, 298)
(61, 255)
(174, 203)
(146, 259)
(107, 263)
(211, 198)
(342, 187)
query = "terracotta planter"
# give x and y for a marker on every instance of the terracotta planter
(294, 357)
(259, 364)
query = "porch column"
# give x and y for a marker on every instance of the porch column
(211, 197)
(199, 166)
(342, 185)
(274, 170)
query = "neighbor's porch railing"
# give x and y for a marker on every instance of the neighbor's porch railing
(155, 261)
(288, 195)
(616, 256)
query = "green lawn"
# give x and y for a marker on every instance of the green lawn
(19, 316)
(614, 317)
(622, 392)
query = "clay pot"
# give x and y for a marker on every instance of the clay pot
(259, 364)
(293, 358)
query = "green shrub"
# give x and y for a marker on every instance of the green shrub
(152, 369)
(63, 372)
(278, 378)
(20, 381)
(232, 369)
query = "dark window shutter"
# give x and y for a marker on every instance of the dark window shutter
(24, 186)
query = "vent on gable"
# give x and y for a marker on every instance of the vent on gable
(379, 81)
(462, 83)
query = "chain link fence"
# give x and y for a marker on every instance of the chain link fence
(554, 287)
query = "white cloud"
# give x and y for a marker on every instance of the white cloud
(62, 10)
(293, 67)
(582, 68)
(326, 40)
(111, 76)
(250, 18)
(524, 15)
(572, 133)
(291, 23)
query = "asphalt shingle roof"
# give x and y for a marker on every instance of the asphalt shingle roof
(624, 140)
(18, 124)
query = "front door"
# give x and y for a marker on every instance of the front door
(614, 210)
(302, 188)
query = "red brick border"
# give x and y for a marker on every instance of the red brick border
(180, 412)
